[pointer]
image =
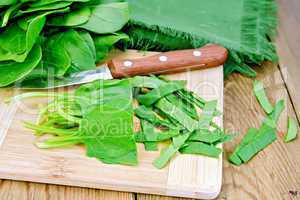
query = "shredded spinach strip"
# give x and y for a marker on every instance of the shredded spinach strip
(201, 149)
(158, 93)
(170, 151)
(149, 132)
(292, 130)
(261, 96)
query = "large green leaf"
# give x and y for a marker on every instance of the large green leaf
(8, 2)
(108, 118)
(74, 18)
(53, 6)
(8, 13)
(107, 18)
(16, 42)
(47, 2)
(105, 43)
(67, 52)
(11, 71)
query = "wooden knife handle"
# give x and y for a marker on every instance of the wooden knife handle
(170, 62)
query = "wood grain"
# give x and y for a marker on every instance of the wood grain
(288, 47)
(170, 62)
(17, 190)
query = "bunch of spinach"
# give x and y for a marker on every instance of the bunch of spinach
(49, 39)
(100, 116)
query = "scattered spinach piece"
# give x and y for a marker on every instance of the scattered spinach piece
(292, 130)
(265, 136)
(256, 140)
(279, 107)
(261, 96)
(234, 158)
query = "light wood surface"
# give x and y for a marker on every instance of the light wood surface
(186, 175)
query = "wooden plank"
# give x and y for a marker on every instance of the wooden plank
(273, 173)
(288, 47)
(17, 190)
(188, 176)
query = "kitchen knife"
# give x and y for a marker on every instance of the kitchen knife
(163, 63)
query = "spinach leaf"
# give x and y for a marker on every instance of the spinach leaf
(107, 18)
(8, 2)
(265, 136)
(185, 106)
(149, 132)
(16, 43)
(9, 12)
(41, 3)
(12, 71)
(53, 6)
(261, 96)
(201, 149)
(170, 151)
(158, 137)
(115, 93)
(279, 107)
(146, 82)
(157, 93)
(207, 114)
(113, 131)
(175, 113)
(68, 52)
(292, 130)
(192, 98)
(74, 18)
(109, 119)
(105, 43)
(207, 136)
(250, 135)
(149, 115)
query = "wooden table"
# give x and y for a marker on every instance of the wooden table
(273, 174)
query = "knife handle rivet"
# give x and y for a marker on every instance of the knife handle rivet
(197, 53)
(128, 63)
(163, 58)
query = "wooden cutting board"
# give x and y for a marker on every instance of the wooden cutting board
(185, 176)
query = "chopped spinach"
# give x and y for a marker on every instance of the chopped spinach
(292, 130)
(99, 115)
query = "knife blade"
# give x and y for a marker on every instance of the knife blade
(162, 63)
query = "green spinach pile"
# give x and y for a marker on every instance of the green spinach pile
(100, 115)
(47, 39)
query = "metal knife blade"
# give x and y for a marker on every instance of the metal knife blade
(101, 73)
